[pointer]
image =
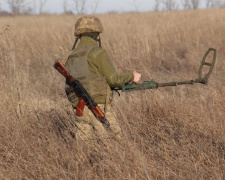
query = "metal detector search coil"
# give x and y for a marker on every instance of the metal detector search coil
(204, 63)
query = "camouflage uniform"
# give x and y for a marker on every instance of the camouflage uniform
(97, 75)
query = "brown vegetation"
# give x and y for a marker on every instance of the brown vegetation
(168, 133)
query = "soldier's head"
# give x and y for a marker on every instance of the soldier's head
(88, 26)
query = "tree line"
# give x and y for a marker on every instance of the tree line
(80, 6)
(37, 6)
(172, 5)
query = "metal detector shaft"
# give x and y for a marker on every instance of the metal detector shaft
(177, 83)
(201, 78)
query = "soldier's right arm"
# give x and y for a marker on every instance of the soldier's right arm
(100, 63)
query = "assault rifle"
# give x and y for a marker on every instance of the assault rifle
(153, 85)
(84, 97)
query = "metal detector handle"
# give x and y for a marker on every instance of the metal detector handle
(204, 63)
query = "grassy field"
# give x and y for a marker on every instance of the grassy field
(168, 133)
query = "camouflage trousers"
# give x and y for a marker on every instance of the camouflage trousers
(89, 128)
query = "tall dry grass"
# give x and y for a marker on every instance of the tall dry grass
(168, 133)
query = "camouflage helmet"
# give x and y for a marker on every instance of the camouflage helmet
(88, 24)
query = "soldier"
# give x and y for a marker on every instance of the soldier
(91, 65)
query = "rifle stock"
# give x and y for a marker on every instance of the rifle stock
(59, 67)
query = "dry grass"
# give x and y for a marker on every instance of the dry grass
(168, 133)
